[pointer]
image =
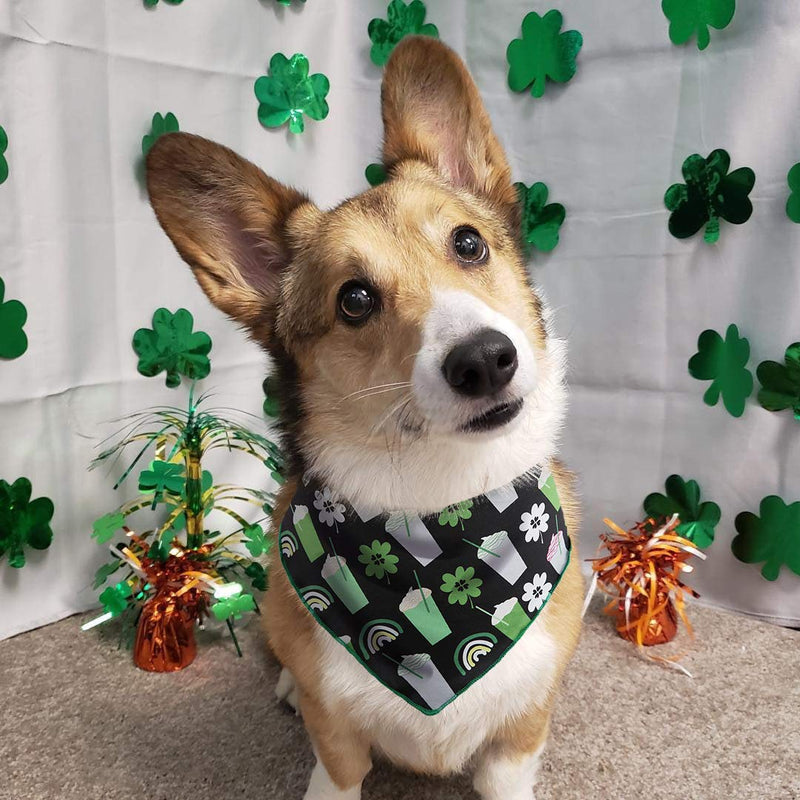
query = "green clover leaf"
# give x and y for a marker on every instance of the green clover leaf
(780, 383)
(401, 20)
(773, 537)
(454, 514)
(13, 315)
(104, 528)
(171, 346)
(461, 586)
(234, 606)
(256, 542)
(3, 147)
(542, 52)
(103, 573)
(272, 405)
(23, 522)
(724, 363)
(375, 174)
(690, 17)
(152, 3)
(378, 559)
(287, 2)
(115, 598)
(162, 476)
(257, 575)
(793, 203)
(540, 221)
(289, 91)
(697, 520)
(159, 126)
(709, 194)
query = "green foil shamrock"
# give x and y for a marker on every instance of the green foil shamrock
(172, 346)
(793, 203)
(709, 194)
(542, 52)
(3, 147)
(724, 363)
(272, 404)
(23, 522)
(104, 528)
(375, 174)
(401, 20)
(287, 2)
(115, 598)
(162, 476)
(773, 537)
(697, 520)
(289, 91)
(690, 17)
(160, 125)
(780, 383)
(234, 607)
(540, 221)
(13, 315)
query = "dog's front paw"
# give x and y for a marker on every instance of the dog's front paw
(286, 690)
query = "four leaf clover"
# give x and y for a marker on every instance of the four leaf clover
(172, 346)
(773, 537)
(690, 17)
(160, 125)
(461, 586)
(379, 559)
(793, 203)
(3, 162)
(289, 91)
(455, 514)
(23, 522)
(780, 383)
(401, 20)
(540, 221)
(697, 520)
(104, 528)
(709, 194)
(542, 52)
(13, 315)
(724, 363)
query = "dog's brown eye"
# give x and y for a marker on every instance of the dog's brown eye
(356, 302)
(469, 246)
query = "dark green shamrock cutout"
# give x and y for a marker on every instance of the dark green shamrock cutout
(773, 537)
(710, 193)
(697, 520)
(724, 363)
(3, 147)
(540, 221)
(151, 3)
(401, 20)
(255, 541)
(690, 17)
(257, 575)
(272, 405)
(172, 346)
(234, 607)
(13, 315)
(23, 522)
(115, 598)
(160, 125)
(793, 203)
(375, 174)
(287, 2)
(780, 383)
(104, 528)
(162, 476)
(543, 52)
(289, 91)
(103, 573)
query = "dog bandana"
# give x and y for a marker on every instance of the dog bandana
(428, 605)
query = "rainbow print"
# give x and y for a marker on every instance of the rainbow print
(376, 634)
(472, 649)
(317, 598)
(289, 544)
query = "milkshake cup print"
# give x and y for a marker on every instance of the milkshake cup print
(423, 613)
(547, 484)
(411, 533)
(364, 511)
(557, 553)
(338, 576)
(304, 526)
(498, 552)
(510, 618)
(422, 674)
(503, 497)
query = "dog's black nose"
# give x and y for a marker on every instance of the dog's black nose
(481, 365)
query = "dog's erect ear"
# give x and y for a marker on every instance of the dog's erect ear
(432, 112)
(227, 220)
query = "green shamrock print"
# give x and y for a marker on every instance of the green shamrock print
(104, 528)
(3, 147)
(378, 559)
(793, 203)
(115, 598)
(171, 346)
(540, 221)
(162, 476)
(543, 52)
(780, 383)
(289, 91)
(724, 363)
(690, 17)
(401, 20)
(709, 194)
(375, 174)
(462, 586)
(152, 3)
(697, 520)
(23, 522)
(456, 514)
(160, 125)
(13, 315)
(773, 537)
(255, 541)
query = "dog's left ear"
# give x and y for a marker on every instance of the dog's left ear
(433, 112)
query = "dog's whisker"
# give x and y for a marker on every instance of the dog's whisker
(362, 394)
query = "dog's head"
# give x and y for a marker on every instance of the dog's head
(402, 322)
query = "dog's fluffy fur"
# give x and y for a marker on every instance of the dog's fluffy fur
(367, 409)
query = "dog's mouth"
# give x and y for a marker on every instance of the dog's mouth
(493, 418)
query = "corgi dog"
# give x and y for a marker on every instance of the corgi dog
(416, 369)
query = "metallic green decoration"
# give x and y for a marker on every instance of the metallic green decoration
(780, 383)
(115, 598)
(104, 528)
(272, 405)
(401, 20)
(773, 537)
(793, 203)
(233, 607)
(375, 174)
(162, 476)
(13, 315)
(255, 541)
(3, 147)
(152, 3)
(160, 125)
(23, 522)
(697, 520)
(540, 221)
(690, 17)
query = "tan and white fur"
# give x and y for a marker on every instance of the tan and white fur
(370, 409)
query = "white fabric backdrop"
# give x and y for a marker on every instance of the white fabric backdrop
(80, 247)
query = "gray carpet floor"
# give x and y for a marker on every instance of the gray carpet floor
(79, 722)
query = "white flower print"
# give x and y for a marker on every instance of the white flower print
(536, 593)
(535, 523)
(330, 509)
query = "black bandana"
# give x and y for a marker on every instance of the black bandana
(427, 605)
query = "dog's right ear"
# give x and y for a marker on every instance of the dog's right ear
(228, 221)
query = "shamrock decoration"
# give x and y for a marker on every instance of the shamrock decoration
(104, 528)
(455, 514)
(234, 606)
(151, 3)
(710, 193)
(289, 91)
(773, 537)
(257, 575)
(540, 222)
(688, 17)
(3, 162)
(724, 363)
(542, 52)
(462, 586)
(256, 542)
(379, 559)
(793, 203)
(115, 598)
(375, 174)
(23, 521)
(272, 406)
(401, 20)
(160, 126)
(780, 383)
(286, 2)
(173, 347)
(103, 573)
(13, 341)
(163, 476)
(697, 519)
